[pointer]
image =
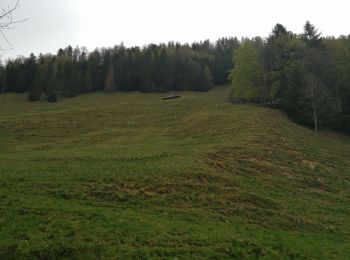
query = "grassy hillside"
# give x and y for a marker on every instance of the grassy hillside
(130, 175)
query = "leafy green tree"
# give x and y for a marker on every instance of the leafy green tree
(247, 75)
(207, 79)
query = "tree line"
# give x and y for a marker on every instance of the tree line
(153, 68)
(305, 75)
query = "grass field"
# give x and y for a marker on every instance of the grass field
(128, 175)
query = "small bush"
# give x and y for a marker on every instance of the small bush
(52, 98)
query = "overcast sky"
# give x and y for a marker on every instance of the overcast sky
(54, 24)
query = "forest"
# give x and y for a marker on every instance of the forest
(306, 75)
(153, 68)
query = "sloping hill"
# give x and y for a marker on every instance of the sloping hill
(130, 175)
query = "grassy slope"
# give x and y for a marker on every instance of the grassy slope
(134, 176)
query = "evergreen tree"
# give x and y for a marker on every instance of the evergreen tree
(109, 81)
(316, 63)
(311, 36)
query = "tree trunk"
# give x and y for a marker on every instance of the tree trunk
(315, 120)
(314, 107)
(3, 86)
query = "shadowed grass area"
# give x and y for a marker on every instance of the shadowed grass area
(129, 175)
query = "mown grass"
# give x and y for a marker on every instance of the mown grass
(129, 175)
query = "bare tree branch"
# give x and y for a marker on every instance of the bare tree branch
(9, 11)
(7, 21)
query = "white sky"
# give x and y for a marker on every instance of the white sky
(101, 23)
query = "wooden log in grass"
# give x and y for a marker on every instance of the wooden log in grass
(170, 97)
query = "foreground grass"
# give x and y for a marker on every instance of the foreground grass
(128, 175)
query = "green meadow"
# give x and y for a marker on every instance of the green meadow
(130, 176)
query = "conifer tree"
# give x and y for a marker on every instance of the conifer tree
(109, 81)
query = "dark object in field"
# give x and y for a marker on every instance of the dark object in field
(52, 98)
(173, 96)
(43, 97)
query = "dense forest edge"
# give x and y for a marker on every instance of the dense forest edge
(306, 75)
